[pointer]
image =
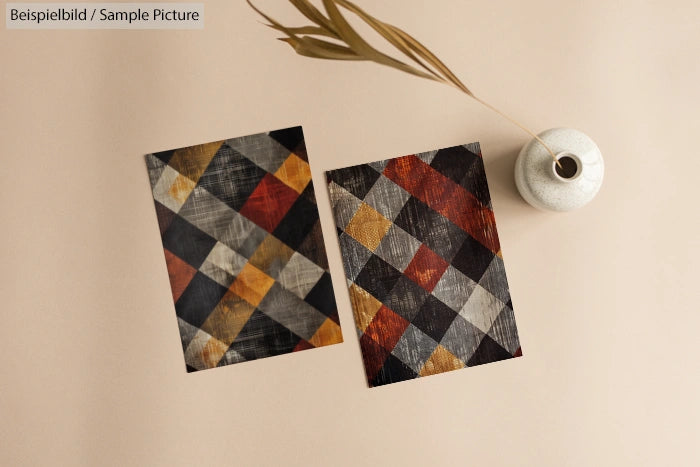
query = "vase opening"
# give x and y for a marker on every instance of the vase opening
(570, 167)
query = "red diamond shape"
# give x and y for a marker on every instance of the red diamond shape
(269, 202)
(180, 274)
(426, 268)
(386, 328)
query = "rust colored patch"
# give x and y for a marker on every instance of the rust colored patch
(426, 268)
(446, 197)
(180, 274)
(269, 203)
(386, 328)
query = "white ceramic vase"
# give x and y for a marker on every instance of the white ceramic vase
(546, 186)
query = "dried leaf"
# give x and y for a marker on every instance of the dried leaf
(273, 24)
(356, 48)
(308, 30)
(431, 58)
(307, 9)
(361, 47)
(386, 32)
(316, 48)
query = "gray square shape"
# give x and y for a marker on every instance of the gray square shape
(494, 280)
(406, 298)
(397, 247)
(414, 348)
(291, 312)
(243, 235)
(187, 332)
(217, 274)
(504, 331)
(226, 259)
(300, 275)
(379, 166)
(474, 148)
(207, 212)
(231, 357)
(155, 168)
(454, 288)
(462, 339)
(387, 197)
(445, 238)
(344, 203)
(481, 309)
(431, 228)
(262, 150)
(427, 157)
(355, 255)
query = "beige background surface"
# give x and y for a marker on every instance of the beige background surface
(606, 297)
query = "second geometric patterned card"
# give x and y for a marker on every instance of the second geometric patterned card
(422, 257)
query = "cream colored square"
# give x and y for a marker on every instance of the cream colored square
(181, 188)
(481, 309)
(162, 192)
(204, 351)
(226, 259)
(300, 275)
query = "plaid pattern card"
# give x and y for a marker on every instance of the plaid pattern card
(421, 254)
(244, 248)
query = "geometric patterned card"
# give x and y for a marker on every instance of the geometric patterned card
(422, 257)
(244, 248)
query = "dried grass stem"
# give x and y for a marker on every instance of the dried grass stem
(310, 41)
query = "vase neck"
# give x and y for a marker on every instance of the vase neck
(568, 169)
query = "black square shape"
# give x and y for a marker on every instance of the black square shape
(406, 298)
(290, 138)
(297, 223)
(472, 259)
(231, 177)
(454, 162)
(378, 277)
(165, 156)
(488, 351)
(199, 299)
(313, 247)
(165, 216)
(357, 179)
(309, 193)
(264, 337)
(431, 228)
(393, 371)
(187, 242)
(434, 318)
(322, 298)
(475, 182)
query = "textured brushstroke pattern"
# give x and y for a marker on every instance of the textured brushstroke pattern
(421, 253)
(244, 248)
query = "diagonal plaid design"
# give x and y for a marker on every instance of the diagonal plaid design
(244, 248)
(423, 260)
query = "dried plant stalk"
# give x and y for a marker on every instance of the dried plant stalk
(310, 41)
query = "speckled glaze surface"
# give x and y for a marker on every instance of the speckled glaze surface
(541, 186)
